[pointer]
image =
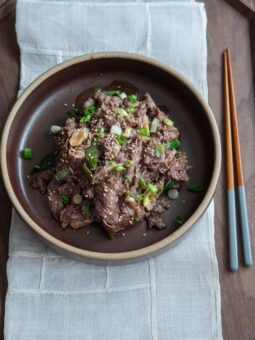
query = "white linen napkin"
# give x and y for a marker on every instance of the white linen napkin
(175, 295)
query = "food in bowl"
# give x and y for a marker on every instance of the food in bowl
(115, 157)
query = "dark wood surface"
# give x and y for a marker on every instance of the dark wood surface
(226, 28)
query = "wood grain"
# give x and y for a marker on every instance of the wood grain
(226, 28)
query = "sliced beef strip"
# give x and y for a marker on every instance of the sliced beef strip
(40, 180)
(75, 217)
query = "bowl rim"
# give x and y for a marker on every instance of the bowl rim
(126, 255)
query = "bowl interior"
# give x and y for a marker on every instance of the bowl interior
(46, 106)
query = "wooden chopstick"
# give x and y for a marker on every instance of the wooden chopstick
(230, 97)
(233, 249)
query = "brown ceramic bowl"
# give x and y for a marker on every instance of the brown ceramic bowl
(42, 105)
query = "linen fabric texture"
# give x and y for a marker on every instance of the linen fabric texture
(175, 295)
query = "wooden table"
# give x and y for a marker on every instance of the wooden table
(226, 28)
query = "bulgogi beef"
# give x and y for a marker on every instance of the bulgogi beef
(114, 157)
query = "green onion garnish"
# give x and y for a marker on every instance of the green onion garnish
(154, 125)
(86, 170)
(130, 109)
(92, 155)
(64, 199)
(132, 98)
(168, 185)
(127, 178)
(119, 168)
(111, 234)
(141, 197)
(96, 89)
(168, 122)
(88, 112)
(179, 219)
(136, 219)
(173, 144)
(121, 112)
(144, 132)
(112, 93)
(27, 153)
(62, 174)
(48, 162)
(159, 147)
(122, 95)
(129, 163)
(153, 189)
(89, 109)
(121, 139)
(86, 207)
(195, 187)
(141, 182)
(100, 131)
(86, 118)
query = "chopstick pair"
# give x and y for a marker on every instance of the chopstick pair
(232, 143)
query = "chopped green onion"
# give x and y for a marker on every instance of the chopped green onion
(121, 139)
(179, 219)
(88, 112)
(111, 234)
(195, 187)
(100, 131)
(136, 219)
(141, 182)
(147, 202)
(122, 95)
(27, 153)
(144, 132)
(179, 153)
(92, 155)
(96, 89)
(132, 98)
(86, 170)
(130, 109)
(159, 147)
(141, 197)
(55, 129)
(127, 178)
(173, 194)
(112, 93)
(149, 139)
(48, 162)
(130, 199)
(154, 125)
(129, 163)
(89, 109)
(119, 168)
(173, 144)
(64, 199)
(86, 118)
(62, 174)
(168, 185)
(86, 207)
(120, 111)
(168, 122)
(153, 189)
